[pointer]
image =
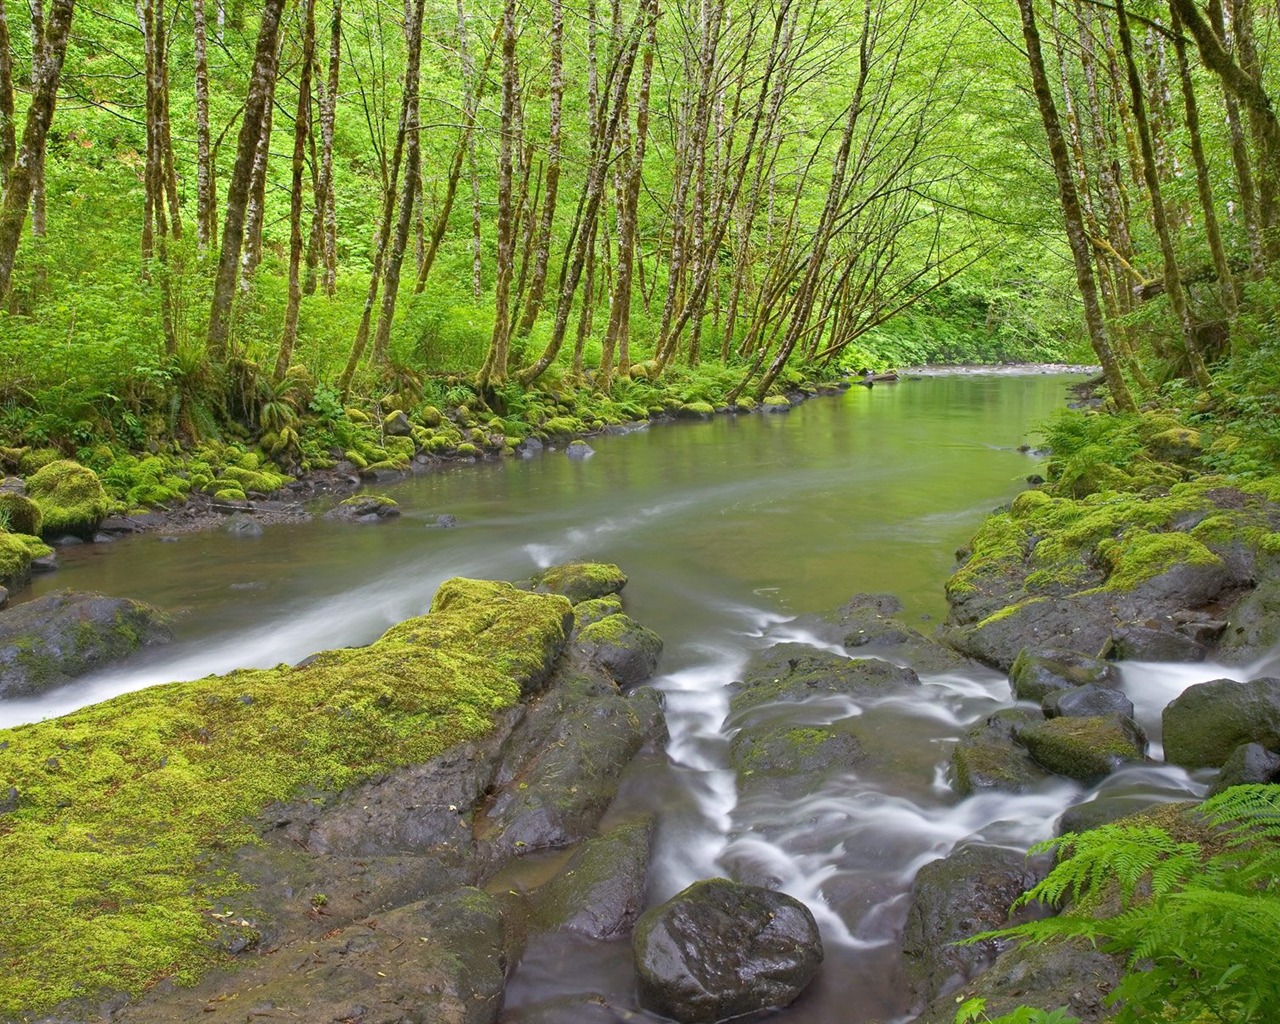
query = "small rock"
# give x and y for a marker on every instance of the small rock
(1085, 749)
(1037, 672)
(721, 949)
(1203, 632)
(67, 541)
(104, 538)
(988, 757)
(1086, 702)
(579, 450)
(628, 651)
(1248, 763)
(445, 522)
(48, 563)
(1148, 643)
(397, 425)
(240, 524)
(580, 581)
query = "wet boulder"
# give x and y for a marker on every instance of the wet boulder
(628, 651)
(580, 581)
(587, 612)
(989, 757)
(795, 672)
(1086, 702)
(869, 626)
(967, 892)
(1208, 721)
(1085, 749)
(1145, 642)
(1039, 671)
(364, 508)
(55, 638)
(599, 893)
(1248, 763)
(788, 757)
(722, 949)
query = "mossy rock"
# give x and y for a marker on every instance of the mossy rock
(35, 459)
(595, 609)
(467, 450)
(562, 426)
(55, 638)
(19, 514)
(776, 403)
(141, 789)
(11, 458)
(1037, 672)
(396, 424)
(989, 758)
(254, 479)
(628, 651)
(230, 496)
(775, 752)
(1205, 723)
(70, 498)
(600, 892)
(17, 552)
(1085, 749)
(430, 416)
(796, 672)
(357, 415)
(580, 581)
(696, 411)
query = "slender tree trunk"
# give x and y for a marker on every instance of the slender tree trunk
(494, 369)
(410, 128)
(168, 166)
(1172, 276)
(328, 122)
(301, 129)
(542, 256)
(1246, 187)
(206, 225)
(40, 58)
(8, 122)
(1071, 213)
(1204, 187)
(261, 90)
(22, 179)
(256, 212)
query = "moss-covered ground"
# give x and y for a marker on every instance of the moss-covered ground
(104, 863)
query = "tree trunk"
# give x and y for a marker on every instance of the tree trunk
(206, 225)
(542, 256)
(256, 211)
(301, 129)
(1204, 187)
(1071, 213)
(40, 58)
(22, 179)
(1172, 277)
(8, 123)
(262, 84)
(1245, 185)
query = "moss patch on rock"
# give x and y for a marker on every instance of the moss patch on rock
(70, 498)
(17, 552)
(580, 581)
(103, 862)
(19, 514)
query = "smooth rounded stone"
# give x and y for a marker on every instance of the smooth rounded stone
(1204, 724)
(587, 612)
(397, 425)
(721, 949)
(988, 756)
(242, 525)
(1150, 643)
(1037, 672)
(1086, 702)
(1085, 749)
(1248, 763)
(55, 638)
(104, 538)
(794, 672)
(967, 892)
(628, 651)
(579, 450)
(530, 445)
(600, 892)
(580, 581)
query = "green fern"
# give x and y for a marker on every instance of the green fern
(1196, 920)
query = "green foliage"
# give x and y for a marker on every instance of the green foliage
(973, 1011)
(1191, 899)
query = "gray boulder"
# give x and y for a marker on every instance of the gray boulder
(628, 651)
(1039, 671)
(722, 949)
(967, 892)
(55, 638)
(1085, 749)
(1207, 721)
(1248, 763)
(988, 756)
(599, 893)
(1086, 702)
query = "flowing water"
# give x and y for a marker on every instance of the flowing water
(731, 531)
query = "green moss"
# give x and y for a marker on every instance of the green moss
(467, 448)
(430, 416)
(121, 803)
(230, 495)
(595, 609)
(36, 459)
(264, 481)
(698, 409)
(400, 449)
(11, 458)
(357, 415)
(1138, 557)
(562, 426)
(776, 402)
(356, 459)
(581, 581)
(370, 499)
(17, 551)
(19, 514)
(1008, 610)
(999, 545)
(70, 498)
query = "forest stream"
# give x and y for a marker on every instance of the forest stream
(735, 534)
